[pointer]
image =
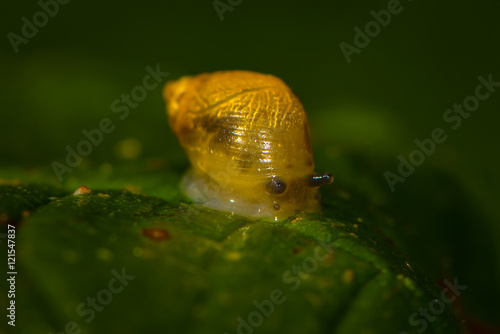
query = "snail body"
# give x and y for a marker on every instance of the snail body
(247, 137)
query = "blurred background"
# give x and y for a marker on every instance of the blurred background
(394, 90)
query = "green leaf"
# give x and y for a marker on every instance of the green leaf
(197, 270)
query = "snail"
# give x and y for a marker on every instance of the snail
(247, 137)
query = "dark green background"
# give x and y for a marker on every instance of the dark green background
(394, 91)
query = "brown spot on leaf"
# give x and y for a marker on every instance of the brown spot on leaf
(157, 234)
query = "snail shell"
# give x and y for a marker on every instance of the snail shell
(247, 137)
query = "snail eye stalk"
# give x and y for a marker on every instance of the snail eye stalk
(276, 186)
(318, 180)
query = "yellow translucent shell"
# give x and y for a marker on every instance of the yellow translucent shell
(240, 130)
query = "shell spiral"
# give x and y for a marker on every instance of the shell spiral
(247, 137)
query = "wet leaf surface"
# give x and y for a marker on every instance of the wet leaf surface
(194, 270)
